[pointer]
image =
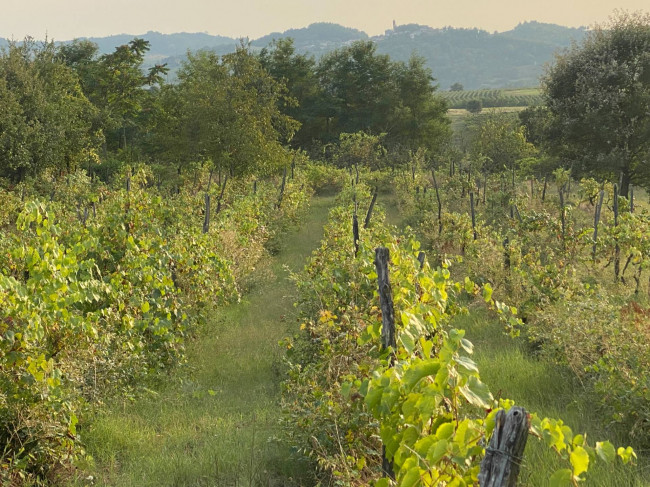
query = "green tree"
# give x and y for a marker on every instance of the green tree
(456, 87)
(117, 84)
(598, 94)
(419, 118)
(304, 100)
(225, 110)
(500, 142)
(360, 149)
(45, 119)
(359, 88)
(474, 106)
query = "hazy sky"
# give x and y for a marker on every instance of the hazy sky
(66, 19)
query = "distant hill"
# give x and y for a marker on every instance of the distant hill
(316, 39)
(473, 57)
(478, 59)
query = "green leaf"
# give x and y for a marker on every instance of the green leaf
(467, 364)
(605, 450)
(145, 306)
(477, 393)
(411, 478)
(418, 371)
(561, 478)
(436, 452)
(445, 431)
(579, 460)
(487, 292)
(345, 389)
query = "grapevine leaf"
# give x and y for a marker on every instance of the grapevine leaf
(579, 460)
(477, 393)
(626, 454)
(561, 478)
(606, 451)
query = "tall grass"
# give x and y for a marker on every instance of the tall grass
(512, 371)
(213, 422)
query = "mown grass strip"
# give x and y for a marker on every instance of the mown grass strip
(214, 421)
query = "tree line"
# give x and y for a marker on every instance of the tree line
(65, 106)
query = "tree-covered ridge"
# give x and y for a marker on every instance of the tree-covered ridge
(473, 57)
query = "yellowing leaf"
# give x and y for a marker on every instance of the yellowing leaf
(579, 460)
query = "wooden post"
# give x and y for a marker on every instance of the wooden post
(366, 223)
(596, 220)
(617, 248)
(388, 339)
(293, 167)
(503, 456)
(355, 233)
(255, 187)
(562, 216)
(471, 205)
(421, 257)
(544, 190)
(206, 222)
(631, 199)
(506, 253)
(435, 185)
(382, 257)
(223, 189)
(484, 187)
(128, 184)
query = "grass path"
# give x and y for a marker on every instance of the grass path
(511, 371)
(212, 426)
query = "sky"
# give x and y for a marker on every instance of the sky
(67, 19)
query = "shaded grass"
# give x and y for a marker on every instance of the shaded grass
(549, 390)
(214, 421)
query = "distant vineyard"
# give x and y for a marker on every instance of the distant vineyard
(494, 98)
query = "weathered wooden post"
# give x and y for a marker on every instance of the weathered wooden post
(128, 184)
(596, 220)
(562, 216)
(388, 338)
(631, 199)
(220, 199)
(617, 248)
(366, 223)
(471, 204)
(503, 456)
(255, 187)
(544, 190)
(206, 221)
(484, 187)
(435, 185)
(421, 257)
(355, 233)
